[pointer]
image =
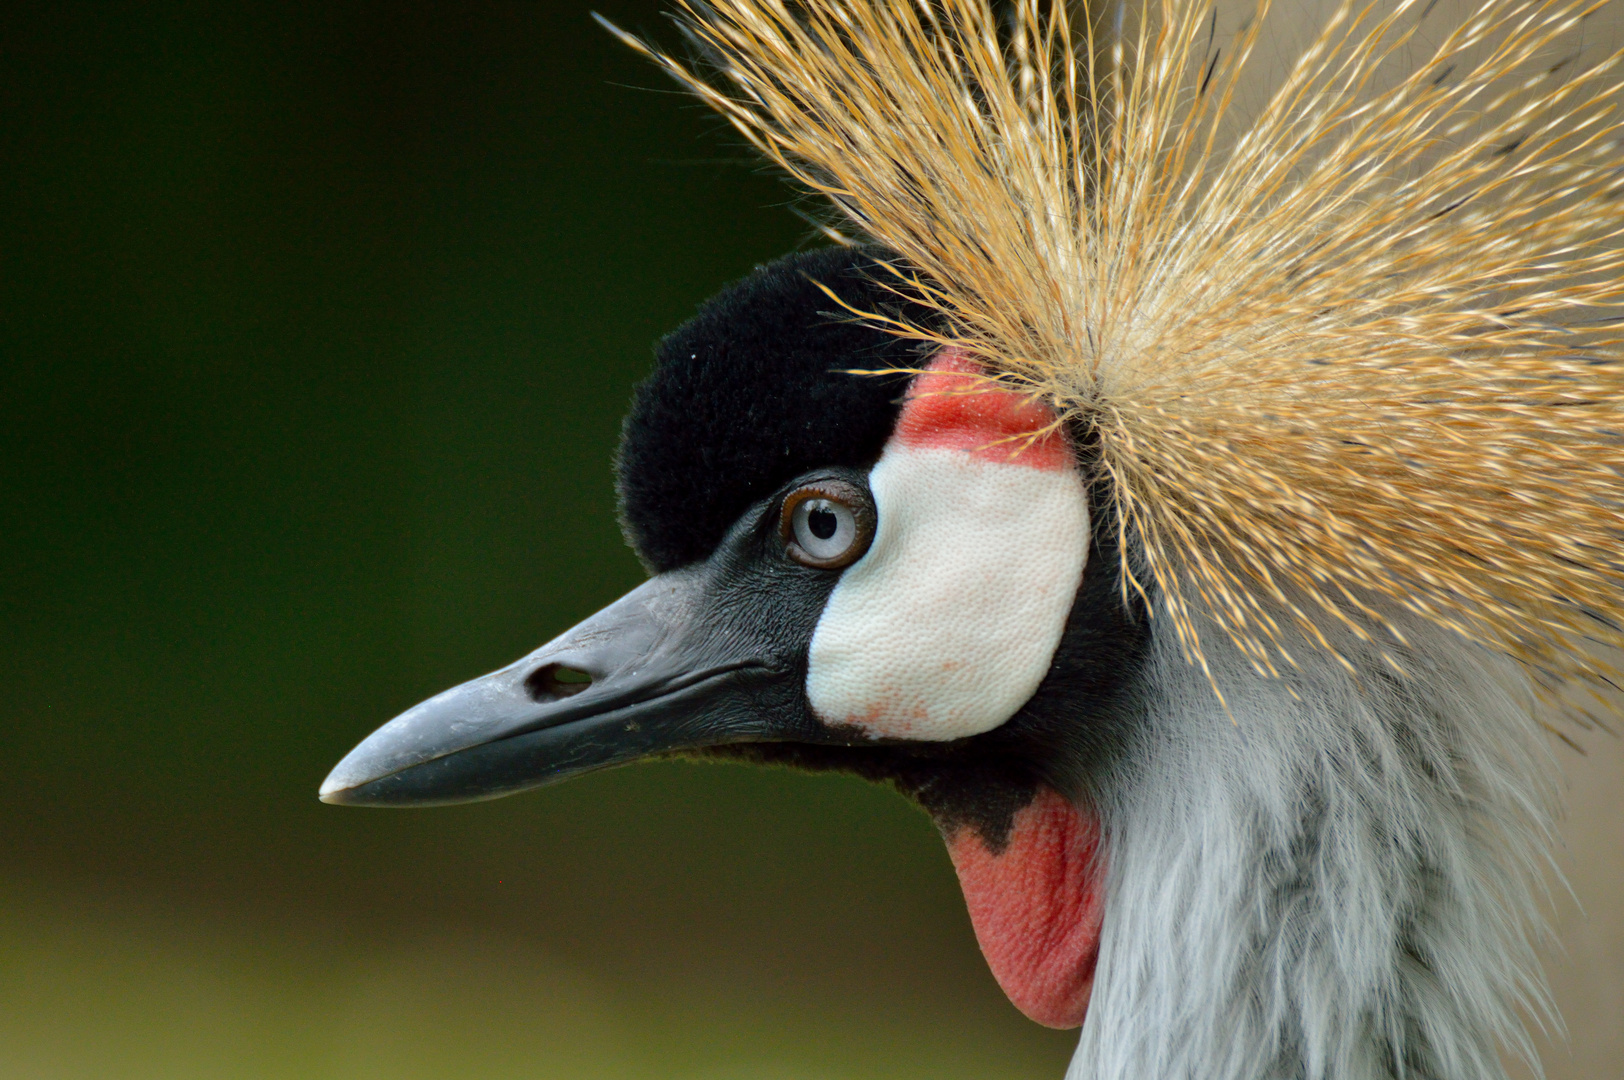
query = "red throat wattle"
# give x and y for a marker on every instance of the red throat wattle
(1037, 906)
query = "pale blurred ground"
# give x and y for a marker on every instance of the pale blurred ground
(115, 981)
(1586, 962)
(86, 992)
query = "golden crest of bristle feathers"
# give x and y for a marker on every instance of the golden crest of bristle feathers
(1336, 291)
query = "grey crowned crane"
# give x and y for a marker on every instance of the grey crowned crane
(1198, 486)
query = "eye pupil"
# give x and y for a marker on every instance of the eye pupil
(823, 522)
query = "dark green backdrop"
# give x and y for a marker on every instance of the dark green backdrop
(316, 323)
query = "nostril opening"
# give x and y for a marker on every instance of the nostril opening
(553, 681)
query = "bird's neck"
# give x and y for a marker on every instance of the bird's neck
(1336, 880)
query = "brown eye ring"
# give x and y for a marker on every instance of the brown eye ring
(826, 524)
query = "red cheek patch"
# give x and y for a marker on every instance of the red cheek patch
(1037, 906)
(950, 407)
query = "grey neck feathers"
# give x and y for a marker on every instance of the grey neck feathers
(1339, 883)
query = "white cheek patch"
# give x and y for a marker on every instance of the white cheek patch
(950, 621)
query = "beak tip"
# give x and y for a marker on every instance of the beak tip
(342, 786)
(376, 757)
(344, 794)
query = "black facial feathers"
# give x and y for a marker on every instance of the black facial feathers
(751, 392)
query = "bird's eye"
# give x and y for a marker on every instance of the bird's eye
(827, 524)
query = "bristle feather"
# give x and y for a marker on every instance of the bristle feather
(1344, 327)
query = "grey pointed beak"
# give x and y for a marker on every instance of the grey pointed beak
(655, 671)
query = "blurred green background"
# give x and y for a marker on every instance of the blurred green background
(316, 324)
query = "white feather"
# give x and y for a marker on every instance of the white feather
(1339, 883)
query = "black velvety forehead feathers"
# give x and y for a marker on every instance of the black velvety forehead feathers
(751, 393)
